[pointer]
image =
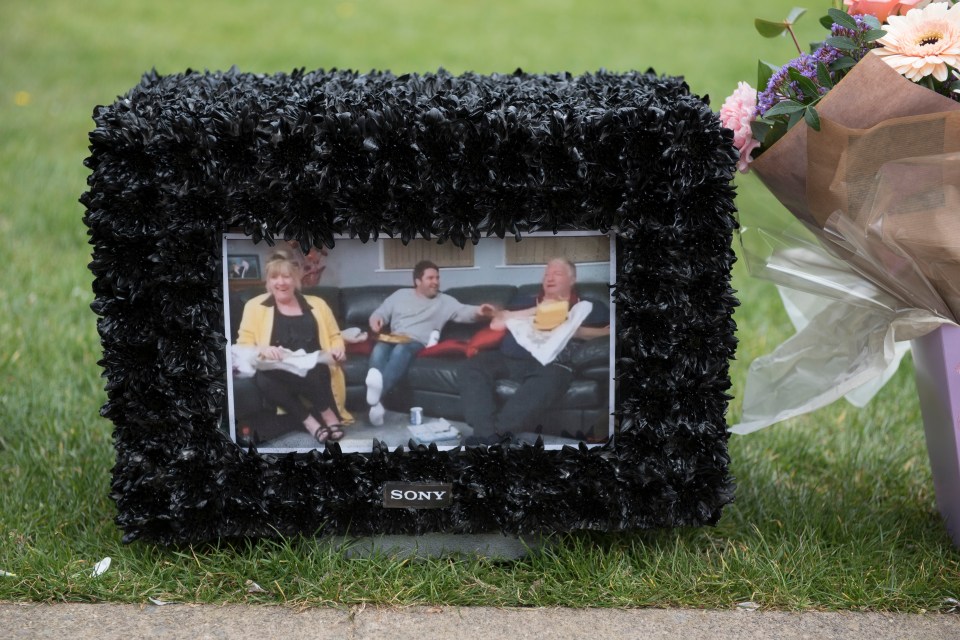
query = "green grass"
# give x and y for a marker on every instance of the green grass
(834, 510)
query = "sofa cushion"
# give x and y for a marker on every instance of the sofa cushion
(580, 394)
(330, 295)
(355, 369)
(496, 294)
(591, 359)
(359, 303)
(437, 374)
(499, 295)
(596, 292)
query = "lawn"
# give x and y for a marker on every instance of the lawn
(834, 510)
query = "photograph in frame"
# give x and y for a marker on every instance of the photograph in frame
(502, 341)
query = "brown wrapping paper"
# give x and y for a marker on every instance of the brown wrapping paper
(878, 184)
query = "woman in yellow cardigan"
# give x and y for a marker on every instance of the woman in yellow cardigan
(283, 320)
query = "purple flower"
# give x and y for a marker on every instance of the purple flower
(858, 36)
(780, 87)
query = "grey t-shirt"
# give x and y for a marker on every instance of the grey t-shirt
(417, 316)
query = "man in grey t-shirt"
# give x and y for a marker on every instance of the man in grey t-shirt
(415, 315)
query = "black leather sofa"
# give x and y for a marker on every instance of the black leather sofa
(431, 382)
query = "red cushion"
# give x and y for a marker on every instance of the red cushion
(360, 348)
(443, 348)
(485, 338)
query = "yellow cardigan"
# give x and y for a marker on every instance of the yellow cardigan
(257, 326)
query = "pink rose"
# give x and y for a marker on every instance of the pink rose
(736, 114)
(882, 9)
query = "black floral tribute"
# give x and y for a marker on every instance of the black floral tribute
(182, 158)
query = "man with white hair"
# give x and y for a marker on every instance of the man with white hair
(541, 385)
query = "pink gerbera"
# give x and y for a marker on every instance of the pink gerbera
(925, 42)
(736, 114)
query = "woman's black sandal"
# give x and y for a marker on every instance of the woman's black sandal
(330, 433)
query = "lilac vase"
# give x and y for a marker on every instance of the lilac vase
(936, 357)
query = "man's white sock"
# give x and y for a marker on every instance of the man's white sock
(374, 386)
(376, 414)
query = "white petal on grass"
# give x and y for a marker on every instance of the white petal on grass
(7, 574)
(101, 567)
(159, 603)
(253, 587)
(748, 606)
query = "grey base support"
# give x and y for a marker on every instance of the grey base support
(433, 545)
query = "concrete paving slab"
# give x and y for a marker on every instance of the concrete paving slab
(208, 622)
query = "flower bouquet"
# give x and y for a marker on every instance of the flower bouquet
(860, 140)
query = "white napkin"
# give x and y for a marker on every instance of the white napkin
(545, 346)
(246, 361)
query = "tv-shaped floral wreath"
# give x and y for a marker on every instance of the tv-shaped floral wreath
(317, 157)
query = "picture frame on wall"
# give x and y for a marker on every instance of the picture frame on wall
(394, 171)
(243, 267)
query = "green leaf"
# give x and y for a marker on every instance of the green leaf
(872, 21)
(842, 42)
(777, 130)
(765, 71)
(823, 76)
(807, 86)
(794, 15)
(812, 117)
(842, 18)
(760, 130)
(826, 22)
(840, 64)
(795, 119)
(874, 34)
(769, 29)
(784, 108)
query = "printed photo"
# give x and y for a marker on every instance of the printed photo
(243, 267)
(502, 341)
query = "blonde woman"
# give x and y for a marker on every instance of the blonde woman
(283, 320)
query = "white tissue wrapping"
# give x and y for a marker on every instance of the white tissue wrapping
(851, 333)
